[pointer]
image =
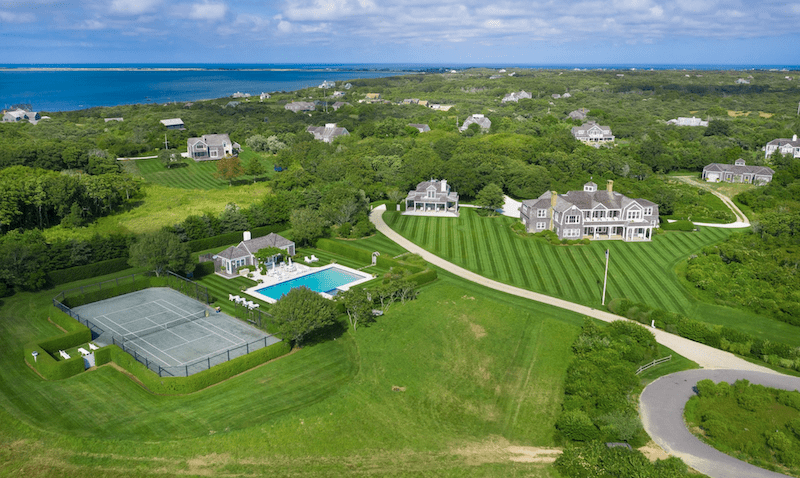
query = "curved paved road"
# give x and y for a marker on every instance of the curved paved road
(705, 356)
(741, 219)
(661, 406)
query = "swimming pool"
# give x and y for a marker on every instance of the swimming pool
(326, 281)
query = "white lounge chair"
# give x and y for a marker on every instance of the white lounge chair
(64, 355)
(314, 258)
(256, 306)
(230, 297)
(93, 346)
(307, 260)
(83, 351)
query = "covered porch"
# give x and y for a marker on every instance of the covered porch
(431, 207)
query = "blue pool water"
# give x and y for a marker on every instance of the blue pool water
(323, 281)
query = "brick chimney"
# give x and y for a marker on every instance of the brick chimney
(610, 185)
(553, 201)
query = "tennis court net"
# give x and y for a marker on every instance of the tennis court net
(160, 328)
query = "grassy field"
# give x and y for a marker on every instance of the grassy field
(474, 372)
(642, 272)
(194, 175)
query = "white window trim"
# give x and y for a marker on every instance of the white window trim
(541, 213)
(540, 225)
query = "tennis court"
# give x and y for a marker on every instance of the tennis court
(172, 331)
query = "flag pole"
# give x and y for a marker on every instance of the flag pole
(605, 280)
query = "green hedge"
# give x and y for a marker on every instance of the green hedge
(49, 367)
(66, 322)
(198, 381)
(424, 277)
(721, 337)
(682, 225)
(88, 271)
(138, 283)
(362, 255)
(203, 269)
(232, 237)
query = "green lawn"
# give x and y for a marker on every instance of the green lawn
(476, 370)
(642, 272)
(196, 174)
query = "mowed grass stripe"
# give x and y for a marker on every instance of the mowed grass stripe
(592, 272)
(503, 248)
(671, 294)
(528, 261)
(642, 290)
(552, 274)
(484, 250)
(581, 279)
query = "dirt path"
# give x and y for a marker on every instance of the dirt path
(741, 219)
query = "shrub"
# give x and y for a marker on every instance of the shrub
(87, 271)
(682, 225)
(577, 426)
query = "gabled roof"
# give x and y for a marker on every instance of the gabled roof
(784, 142)
(172, 122)
(739, 169)
(212, 140)
(421, 127)
(270, 240)
(300, 106)
(328, 132)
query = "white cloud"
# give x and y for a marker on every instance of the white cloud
(795, 8)
(11, 17)
(133, 7)
(208, 11)
(321, 10)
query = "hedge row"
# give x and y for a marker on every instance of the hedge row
(362, 255)
(66, 322)
(88, 271)
(424, 277)
(721, 337)
(198, 381)
(232, 237)
(49, 367)
(140, 282)
(682, 225)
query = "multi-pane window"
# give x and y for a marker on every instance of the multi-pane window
(540, 225)
(541, 213)
(572, 232)
(648, 211)
(634, 214)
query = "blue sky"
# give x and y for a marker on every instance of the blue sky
(401, 31)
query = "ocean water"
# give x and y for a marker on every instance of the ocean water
(71, 87)
(78, 86)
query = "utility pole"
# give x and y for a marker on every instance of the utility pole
(605, 280)
(166, 143)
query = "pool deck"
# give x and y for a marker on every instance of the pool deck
(299, 270)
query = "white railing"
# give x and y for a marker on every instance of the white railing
(653, 364)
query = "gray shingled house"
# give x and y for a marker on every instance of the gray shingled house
(228, 261)
(784, 145)
(432, 198)
(481, 120)
(516, 96)
(210, 147)
(592, 132)
(298, 106)
(327, 133)
(422, 128)
(738, 172)
(591, 214)
(173, 123)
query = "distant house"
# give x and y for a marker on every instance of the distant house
(210, 147)
(243, 254)
(742, 81)
(347, 86)
(231, 104)
(327, 84)
(591, 132)
(298, 106)
(327, 133)
(433, 198)
(516, 96)
(738, 172)
(591, 214)
(479, 119)
(439, 107)
(239, 94)
(566, 95)
(683, 121)
(422, 128)
(338, 94)
(425, 103)
(112, 119)
(17, 115)
(495, 77)
(411, 101)
(579, 114)
(264, 96)
(370, 97)
(784, 145)
(339, 104)
(173, 123)
(556, 96)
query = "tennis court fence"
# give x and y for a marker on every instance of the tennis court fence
(198, 365)
(124, 285)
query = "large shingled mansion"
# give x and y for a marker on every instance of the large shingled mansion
(591, 214)
(786, 146)
(432, 198)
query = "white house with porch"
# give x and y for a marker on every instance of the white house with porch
(432, 198)
(591, 214)
(231, 259)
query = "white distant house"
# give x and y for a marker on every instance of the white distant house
(516, 96)
(18, 115)
(683, 121)
(239, 94)
(784, 145)
(210, 147)
(264, 96)
(338, 94)
(231, 259)
(592, 132)
(432, 198)
(327, 84)
(113, 119)
(173, 123)
(591, 214)
(479, 119)
(298, 106)
(738, 172)
(327, 133)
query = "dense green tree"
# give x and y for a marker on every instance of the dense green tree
(170, 157)
(490, 197)
(300, 312)
(228, 168)
(161, 251)
(308, 225)
(357, 304)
